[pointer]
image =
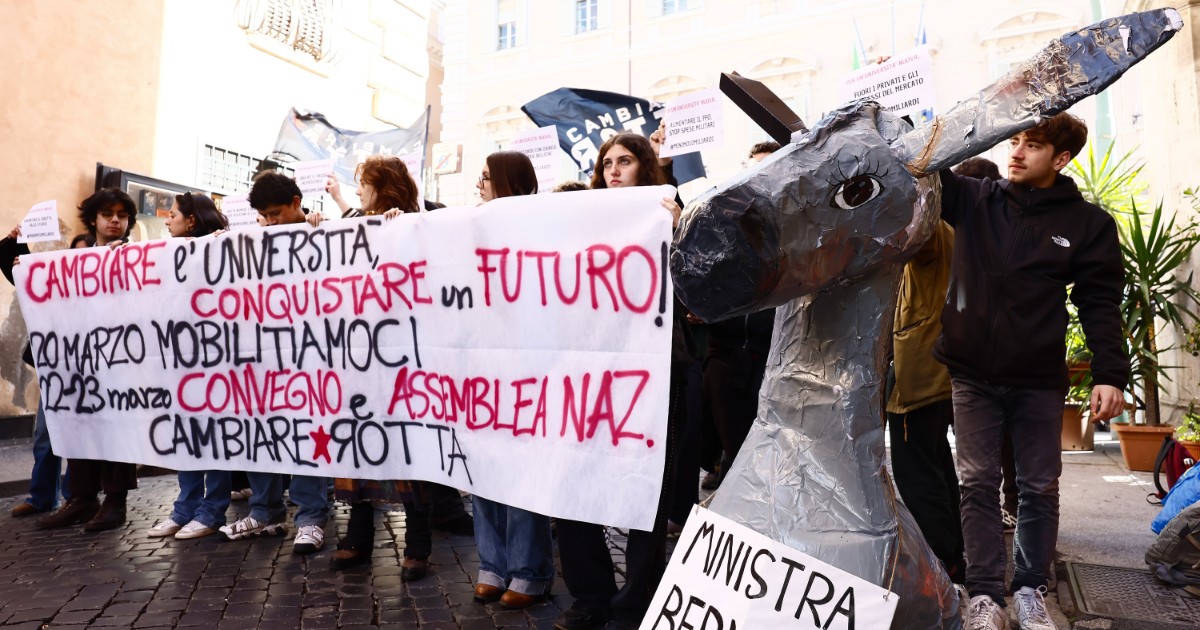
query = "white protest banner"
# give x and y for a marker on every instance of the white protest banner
(541, 147)
(519, 350)
(903, 84)
(725, 576)
(237, 211)
(312, 176)
(694, 121)
(40, 223)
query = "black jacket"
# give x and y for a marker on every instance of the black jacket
(9, 250)
(1016, 251)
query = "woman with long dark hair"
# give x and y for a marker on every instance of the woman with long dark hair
(204, 495)
(626, 160)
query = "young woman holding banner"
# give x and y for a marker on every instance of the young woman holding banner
(624, 160)
(204, 495)
(386, 188)
(516, 550)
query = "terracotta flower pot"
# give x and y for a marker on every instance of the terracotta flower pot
(1193, 448)
(1140, 444)
(1077, 433)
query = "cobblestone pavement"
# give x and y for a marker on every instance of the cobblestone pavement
(125, 579)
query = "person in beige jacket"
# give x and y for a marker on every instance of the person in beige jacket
(919, 408)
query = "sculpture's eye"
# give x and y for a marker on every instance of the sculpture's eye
(856, 191)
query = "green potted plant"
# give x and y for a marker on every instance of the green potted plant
(1077, 434)
(1153, 249)
(1188, 432)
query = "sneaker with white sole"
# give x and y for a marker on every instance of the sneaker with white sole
(249, 527)
(309, 539)
(164, 528)
(1031, 609)
(194, 529)
(985, 614)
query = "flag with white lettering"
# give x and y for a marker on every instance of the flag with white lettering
(307, 136)
(586, 118)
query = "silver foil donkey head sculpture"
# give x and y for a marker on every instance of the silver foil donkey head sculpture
(821, 230)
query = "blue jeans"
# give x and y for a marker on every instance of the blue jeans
(203, 497)
(44, 479)
(309, 493)
(515, 548)
(982, 412)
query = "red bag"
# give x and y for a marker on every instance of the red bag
(1173, 460)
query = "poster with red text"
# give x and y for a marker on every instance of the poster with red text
(518, 350)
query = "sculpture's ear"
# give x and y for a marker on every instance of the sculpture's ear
(762, 106)
(1077, 65)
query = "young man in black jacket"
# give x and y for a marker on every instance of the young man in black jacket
(1019, 244)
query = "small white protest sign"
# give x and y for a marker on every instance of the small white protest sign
(725, 576)
(40, 223)
(541, 147)
(903, 84)
(311, 176)
(694, 121)
(413, 162)
(238, 212)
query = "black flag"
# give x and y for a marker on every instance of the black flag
(309, 136)
(586, 118)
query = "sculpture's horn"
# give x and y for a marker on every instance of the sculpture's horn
(762, 106)
(1071, 68)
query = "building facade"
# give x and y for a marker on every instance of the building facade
(191, 93)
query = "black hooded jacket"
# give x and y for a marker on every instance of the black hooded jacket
(1016, 251)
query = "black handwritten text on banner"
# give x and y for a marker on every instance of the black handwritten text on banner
(519, 350)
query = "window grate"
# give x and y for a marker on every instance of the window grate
(231, 172)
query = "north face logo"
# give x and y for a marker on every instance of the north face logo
(1060, 241)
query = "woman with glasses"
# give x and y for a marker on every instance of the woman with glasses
(516, 554)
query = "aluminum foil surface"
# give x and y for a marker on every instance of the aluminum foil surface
(820, 230)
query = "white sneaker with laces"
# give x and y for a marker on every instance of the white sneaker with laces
(1031, 609)
(985, 614)
(194, 529)
(164, 528)
(249, 527)
(309, 539)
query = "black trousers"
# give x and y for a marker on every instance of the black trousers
(923, 466)
(587, 566)
(87, 477)
(441, 504)
(732, 396)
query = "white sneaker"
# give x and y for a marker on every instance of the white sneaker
(241, 495)
(309, 539)
(985, 614)
(164, 528)
(194, 529)
(1031, 609)
(248, 527)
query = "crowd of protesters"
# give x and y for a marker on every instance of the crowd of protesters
(717, 368)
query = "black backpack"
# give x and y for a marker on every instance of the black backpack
(1174, 558)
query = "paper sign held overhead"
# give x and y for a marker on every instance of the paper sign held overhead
(726, 576)
(40, 223)
(311, 176)
(694, 121)
(238, 212)
(541, 147)
(902, 84)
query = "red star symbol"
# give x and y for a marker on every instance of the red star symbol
(321, 444)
